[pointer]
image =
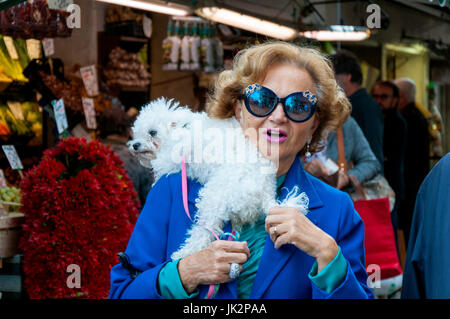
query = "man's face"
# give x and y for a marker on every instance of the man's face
(383, 96)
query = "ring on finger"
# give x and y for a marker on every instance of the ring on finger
(235, 271)
(274, 231)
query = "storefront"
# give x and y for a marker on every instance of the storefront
(66, 65)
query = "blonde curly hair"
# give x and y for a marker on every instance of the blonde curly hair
(251, 65)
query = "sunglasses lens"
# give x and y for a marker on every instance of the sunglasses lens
(298, 107)
(261, 102)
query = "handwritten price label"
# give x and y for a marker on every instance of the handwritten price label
(34, 48)
(13, 157)
(49, 46)
(89, 76)
(59, 4)
(89, 112)
(9, 42)
(60, 116)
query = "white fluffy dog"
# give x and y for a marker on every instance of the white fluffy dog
(239, 184)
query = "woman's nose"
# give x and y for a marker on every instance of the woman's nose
(278, 115)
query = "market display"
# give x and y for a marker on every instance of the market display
(192, 47)
(10, 198)
(34, 19)
(80, 208)
(126, 69)
(11, 69)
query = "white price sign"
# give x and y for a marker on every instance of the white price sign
(49, 46)
(60, 116)
(13, 157)
(2, 179)
(16, 109)
(59, 4)
(89, 112)
(10, 46)
(34, 48)
(89, 76)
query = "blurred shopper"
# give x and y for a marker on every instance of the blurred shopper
(357, 153)
(417, 150)
(114, 128)
(364, 109)
(427, 274)
(387, 95)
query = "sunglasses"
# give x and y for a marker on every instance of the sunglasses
(261, 101)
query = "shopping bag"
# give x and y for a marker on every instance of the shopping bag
(379, 240)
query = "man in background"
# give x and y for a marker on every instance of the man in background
(427, 274)
(417, 162)
(365, 110)
(387, 95)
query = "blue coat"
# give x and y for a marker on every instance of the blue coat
(427, 272)
(282, 273)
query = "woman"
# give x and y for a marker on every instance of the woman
(285, 255)
(364, 164)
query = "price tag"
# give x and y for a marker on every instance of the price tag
(2, 179)
(89, 112)
(147, 26)
(49, 46)
(16, 109)
(89, 76)
(10, 46)
(59, 4)
(34, 48)
(60, 116)
(13, 158)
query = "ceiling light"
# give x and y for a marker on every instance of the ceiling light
(247, 22)
(338, 33)
(156, 6)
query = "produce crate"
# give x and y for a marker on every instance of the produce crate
(10, 231)
(126, 28)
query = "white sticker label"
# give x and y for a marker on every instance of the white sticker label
(10, 46)
(60, 116)
(89, 76)
(89, 112)
(49, 46)
(34, 48)
(13, 157)
(16, 109)
(59, 4)
(147, 25)
(2, 179)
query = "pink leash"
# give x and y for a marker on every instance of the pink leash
(212, 291)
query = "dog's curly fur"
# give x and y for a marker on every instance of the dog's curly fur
(240, 192)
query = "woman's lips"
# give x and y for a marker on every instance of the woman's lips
(275, 135)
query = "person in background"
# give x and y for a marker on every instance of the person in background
(364, 164)
(426, 273)
(364, 109)
(387, 95)
(417, 162)
(114, 126)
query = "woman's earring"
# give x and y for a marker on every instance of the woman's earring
(308, 153)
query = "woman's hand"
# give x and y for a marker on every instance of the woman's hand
(343, 180)
(287, 225)
(211, 265)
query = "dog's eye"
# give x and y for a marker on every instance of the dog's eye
(152, 133)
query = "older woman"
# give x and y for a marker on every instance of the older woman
(287, 254)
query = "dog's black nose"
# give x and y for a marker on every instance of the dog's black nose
(136, 146)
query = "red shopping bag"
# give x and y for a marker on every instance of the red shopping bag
(379, 238)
